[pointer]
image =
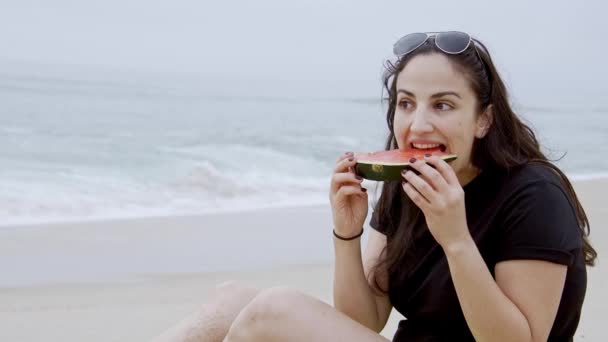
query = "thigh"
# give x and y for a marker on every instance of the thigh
(282, 314)
(211, 321)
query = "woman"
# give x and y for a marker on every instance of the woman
(491, 247)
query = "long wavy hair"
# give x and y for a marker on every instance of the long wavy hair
(509, 143)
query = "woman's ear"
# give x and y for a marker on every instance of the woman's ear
(484, 122)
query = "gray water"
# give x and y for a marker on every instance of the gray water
(77, 145)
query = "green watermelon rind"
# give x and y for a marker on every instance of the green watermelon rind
(387, 171)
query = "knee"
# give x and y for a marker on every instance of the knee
(269, 308)
(231, 297)
(231, 289)
(274, 303)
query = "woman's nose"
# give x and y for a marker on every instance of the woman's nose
(420, 122)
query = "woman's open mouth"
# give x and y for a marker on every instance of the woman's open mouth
(429, 147)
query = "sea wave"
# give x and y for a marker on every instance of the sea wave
(202, 187)
(206, 191)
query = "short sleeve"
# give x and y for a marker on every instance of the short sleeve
(374, 222)
(539, 223)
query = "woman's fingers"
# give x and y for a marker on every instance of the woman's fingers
(343, 172)
(444, 169)
(415, 196)
(344, 164)
(344, 178)
(431, 175)
(344, 156)
(421, 186)
(348, 190)
(433, 187)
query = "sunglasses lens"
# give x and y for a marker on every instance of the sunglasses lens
(409, 43)
(452, 42)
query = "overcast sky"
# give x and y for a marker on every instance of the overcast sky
(307, 39)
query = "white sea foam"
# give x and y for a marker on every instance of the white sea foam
(85, 149)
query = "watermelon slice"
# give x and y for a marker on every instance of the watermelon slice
(387, 165)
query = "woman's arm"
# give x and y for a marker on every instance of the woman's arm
(349, 203)
(352, 293)
(522, 303)
(519, 306)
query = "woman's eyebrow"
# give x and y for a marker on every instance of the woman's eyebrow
(406, 92)
(445, 93)
(434, 96)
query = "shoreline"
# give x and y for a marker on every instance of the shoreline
(575, 179)
(177, 215)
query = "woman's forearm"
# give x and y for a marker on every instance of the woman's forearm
(352, 294)
(490, 314)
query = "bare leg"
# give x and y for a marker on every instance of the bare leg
(212, 321)
(282, 314)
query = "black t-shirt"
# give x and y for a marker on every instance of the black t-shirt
(521, 214)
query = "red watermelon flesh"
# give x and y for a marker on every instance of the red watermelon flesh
(397, 156)
(388, 165)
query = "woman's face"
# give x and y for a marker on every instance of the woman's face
(437, 106)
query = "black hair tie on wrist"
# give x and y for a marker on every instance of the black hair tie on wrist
(350, 238)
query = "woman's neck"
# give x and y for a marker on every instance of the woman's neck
(468, 175)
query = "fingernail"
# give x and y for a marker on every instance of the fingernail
(358, 177)
(427, 155)
(412, 160)
(364, 189)
(404, 171)
(349, 153)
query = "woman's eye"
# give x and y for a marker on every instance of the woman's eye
(405, 104)
(442, 106)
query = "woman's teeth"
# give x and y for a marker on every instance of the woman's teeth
(425, 146)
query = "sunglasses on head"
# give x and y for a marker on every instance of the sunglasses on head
(450, 42)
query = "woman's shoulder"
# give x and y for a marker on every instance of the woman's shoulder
(538, 181)
(533, 173)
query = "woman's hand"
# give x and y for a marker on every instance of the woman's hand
(437, 192)
(348, 199)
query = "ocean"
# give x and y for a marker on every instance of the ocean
(82, 143)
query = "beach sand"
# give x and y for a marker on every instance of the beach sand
(128, 280)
